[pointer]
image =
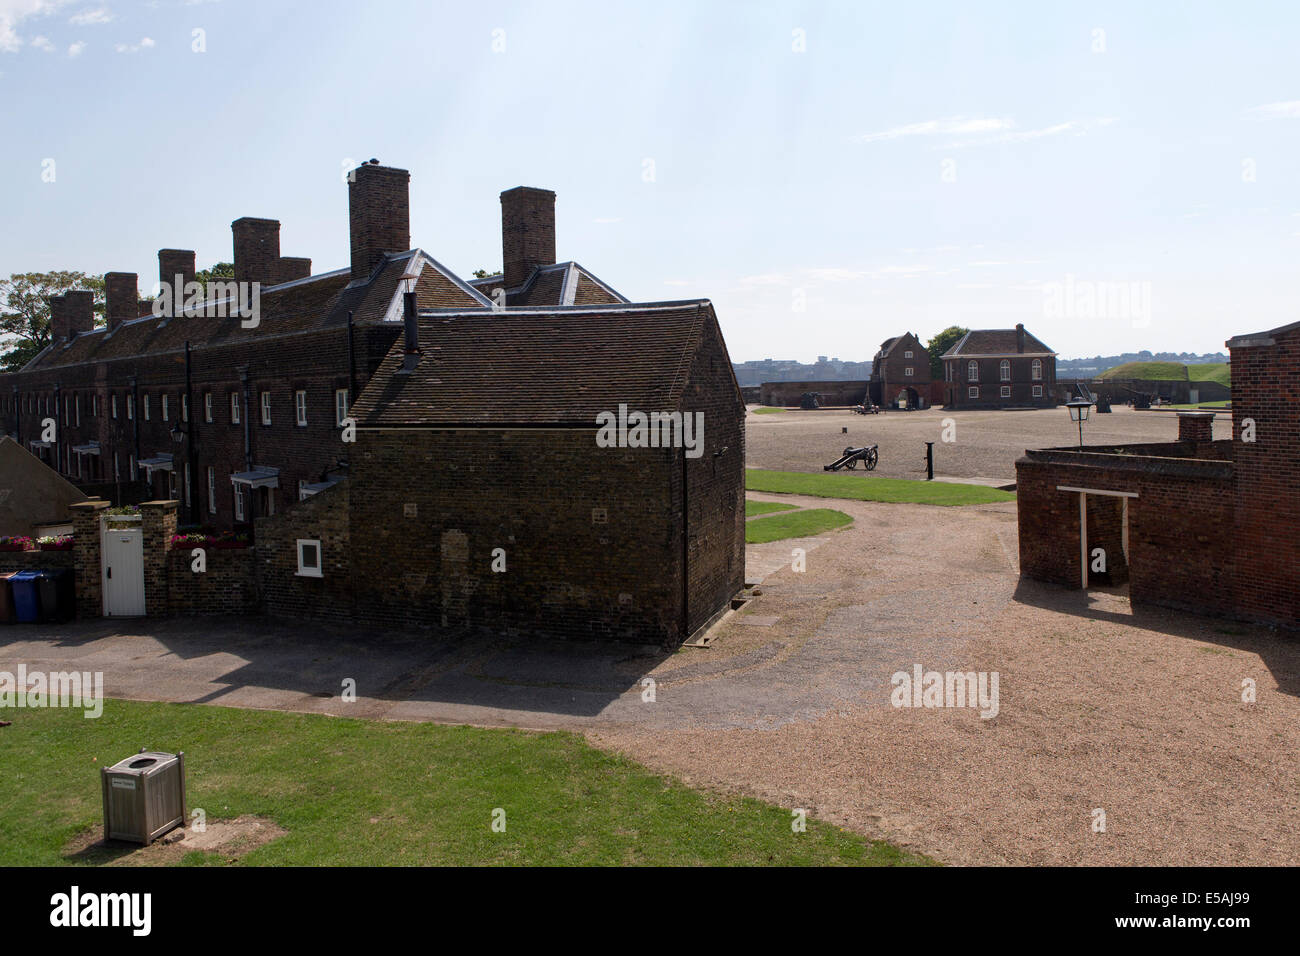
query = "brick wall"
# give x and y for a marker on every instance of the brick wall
(227, 586)
(833, 393)
(36, 560)
(283, 593)
(957, 382)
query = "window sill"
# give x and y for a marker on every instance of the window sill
(308, 574)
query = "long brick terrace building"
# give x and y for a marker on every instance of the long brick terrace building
(239, 421)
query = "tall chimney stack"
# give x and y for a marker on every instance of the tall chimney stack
(58, 318)
(379, 214)
(257, 249)
(80, 307)
(527, 232)
(173, 263)
(122, 299)
(1020, 337)
(292, 267)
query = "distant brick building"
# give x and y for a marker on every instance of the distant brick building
(900, 373)
(1211, 526)
(240, 422)
(999, 368)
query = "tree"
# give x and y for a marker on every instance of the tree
(220, 270)
(25, 311)
(483, 273)
(941, 343)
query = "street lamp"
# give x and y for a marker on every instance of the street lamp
(1079, 409)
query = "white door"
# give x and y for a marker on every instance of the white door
(123, 572)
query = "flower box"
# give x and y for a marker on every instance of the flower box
(57, 546)
(14, 545)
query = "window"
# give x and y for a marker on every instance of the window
(113, 399)
(117, 470)
(234, 408)
(212, 490)
(185, 408)
(302, 490)
(165, 409)
(266, 408)
(94, 405)
(1006, 391)
(907, 354)
(130, 466)
(1038, 391)
(239, 502)
(207, 406)
(907, 372)
(340, 406)
(300, 406)
(309, 563)
(187, 484)
(1036, 370)
(973, 371)
(130, 408)
(973, 391)
(146, 406)
(1004, 370)
(77, 405)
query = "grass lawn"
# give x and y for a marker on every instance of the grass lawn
(767, 410)
(354, 792)
(765, 507)
(1153, 371)
(1219, 372)
(796, 524)
(861, 488)
(1208, 406)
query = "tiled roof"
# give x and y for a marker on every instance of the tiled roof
(538, 366)
(996, 342)
(304, 305)
(565, 283)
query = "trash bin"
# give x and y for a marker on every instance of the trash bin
(58, 596)
(27, 603)
(144, 796)
(6, 598)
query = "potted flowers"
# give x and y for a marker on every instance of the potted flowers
(15, 543)
(62, 542)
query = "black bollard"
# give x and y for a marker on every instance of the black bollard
(929, 461)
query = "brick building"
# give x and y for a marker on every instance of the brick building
(239, 421)
(1210, 526)
(999, 368)
(480, 496)
(900, 373)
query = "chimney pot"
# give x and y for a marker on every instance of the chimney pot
(79, 306)
(173, 263)
(1196, 427)
(379, 215)
(527, 232)
(121, 298)
(257, 249)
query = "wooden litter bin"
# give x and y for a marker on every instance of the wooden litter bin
(144, 796)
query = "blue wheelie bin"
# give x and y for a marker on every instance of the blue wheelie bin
(27, 603)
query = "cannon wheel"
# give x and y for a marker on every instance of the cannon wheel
(872, 457)
(853, 463)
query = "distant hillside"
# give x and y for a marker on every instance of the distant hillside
(1170, 372)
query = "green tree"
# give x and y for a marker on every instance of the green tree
(941, 343)
(25, 311)
(220, 270)
(483, 273)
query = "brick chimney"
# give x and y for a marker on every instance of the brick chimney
(527, 232)
(1020, 337)
(173, 263)
(122, 299)
(292, 267)
(257, 249)
(379, 214)
(80, 307)
(58, 318)
(1196, 427)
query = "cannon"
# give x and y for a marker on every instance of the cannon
(867, 454)
(810, 400)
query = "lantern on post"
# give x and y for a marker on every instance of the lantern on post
(1079, 409)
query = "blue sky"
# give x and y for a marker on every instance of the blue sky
(829, 174)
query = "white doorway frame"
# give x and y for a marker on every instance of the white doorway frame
(1083, 494)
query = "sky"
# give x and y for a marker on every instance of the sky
(1116, 176)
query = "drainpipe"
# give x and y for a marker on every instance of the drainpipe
(352, 365)
(58, 430)
(191, 449)
(250, 507)
(18, 417)
(135, 429)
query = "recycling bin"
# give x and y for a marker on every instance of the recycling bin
(6, 598)
(27, 602)
(58, 595)
(144, 796)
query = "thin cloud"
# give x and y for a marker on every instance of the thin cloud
(144, 44)
(13, 12)
(89, 18)
(1070, 127)
(42, 43)
(76, 49)
(952, 126)
(1287, 109)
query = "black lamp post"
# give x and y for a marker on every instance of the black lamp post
(1079, 409)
